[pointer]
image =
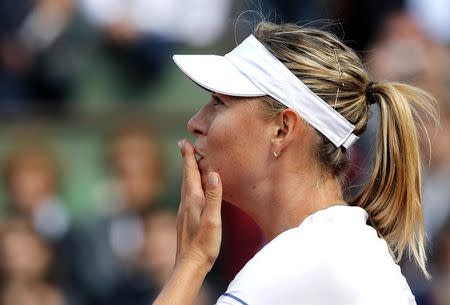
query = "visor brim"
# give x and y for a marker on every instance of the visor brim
(217, 74)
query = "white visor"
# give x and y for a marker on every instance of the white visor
(251, 70)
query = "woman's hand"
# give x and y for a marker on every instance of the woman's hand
(199, 232)
(199, 222)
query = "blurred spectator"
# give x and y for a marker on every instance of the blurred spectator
(137, 166)
(436, 192)
(138, 36)
(39, 55)
(402, 51)
(159, 251)
(114, 239)
(356, 22)
(25, 263)
(32, 176)
(440, 292)
(433, 17)
(174, 20)
(160, 246)
(18, 294)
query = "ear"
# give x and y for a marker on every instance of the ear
(287, 126)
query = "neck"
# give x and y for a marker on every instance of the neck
(286, 197)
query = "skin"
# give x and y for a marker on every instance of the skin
(237, 142)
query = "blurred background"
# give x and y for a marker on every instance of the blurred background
(91, 108)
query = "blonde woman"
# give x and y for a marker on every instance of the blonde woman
(286, 105)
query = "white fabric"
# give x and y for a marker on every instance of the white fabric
(333, 257)
(216, 73)
(251, 70)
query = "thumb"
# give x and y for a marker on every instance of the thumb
(213, 196)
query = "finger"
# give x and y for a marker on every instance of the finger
(213, 196)
(191, 176)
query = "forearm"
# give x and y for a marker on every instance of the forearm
(183, 285)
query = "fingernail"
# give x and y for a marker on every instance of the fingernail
(213, 179)
(180, 144)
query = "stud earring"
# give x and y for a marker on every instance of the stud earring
(275, 154)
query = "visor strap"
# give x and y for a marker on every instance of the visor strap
(272, 77)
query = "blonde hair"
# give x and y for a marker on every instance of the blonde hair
(392, 196)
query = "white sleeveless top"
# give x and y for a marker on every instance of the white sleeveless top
(332, 258)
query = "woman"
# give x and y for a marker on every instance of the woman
(286, 105)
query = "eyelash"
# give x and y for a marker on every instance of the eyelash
(217, 101)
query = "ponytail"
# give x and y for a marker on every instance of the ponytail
(392, 196)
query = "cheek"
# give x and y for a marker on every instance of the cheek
(238, 155)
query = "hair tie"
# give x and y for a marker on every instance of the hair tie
(370, 99)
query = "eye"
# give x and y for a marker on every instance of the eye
(217, 101)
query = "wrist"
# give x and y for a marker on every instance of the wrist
(193, 267)
(184, 283)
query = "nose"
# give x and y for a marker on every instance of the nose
(197, 124)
